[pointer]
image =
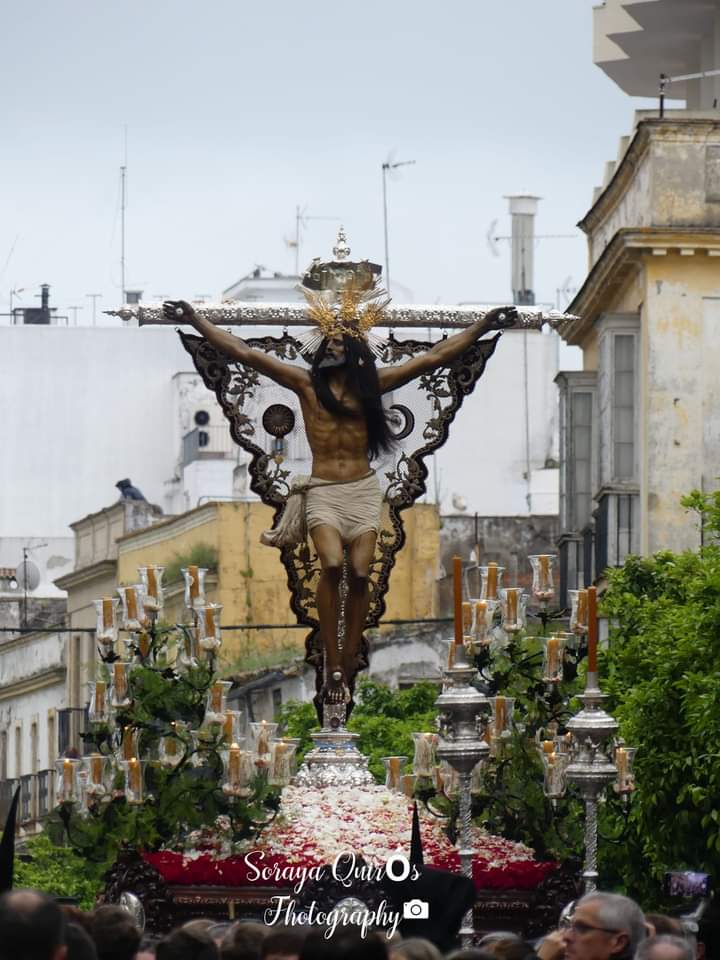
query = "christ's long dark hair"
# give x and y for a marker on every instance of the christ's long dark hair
(362, 382)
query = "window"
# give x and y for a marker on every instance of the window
(277, 699)
(34, 747)
(581, 460)
(52, 738)
(624, 407)
(18, 750)
(3, 755)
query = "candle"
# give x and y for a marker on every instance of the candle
(466, 616)
(457, 596)
(216, 697)
(100, 697)
(553, 649)
(407, 782)
(134, 775)
(592, 622)
(544, 571)
(621, 764)
(131, 603)
(128, 743)
(144, 645)
(492, 580)
(499, 714)
(263, 745)
(119, 680)
(228, 726)
(582, 608)
(209, 622)
(194, 582)
(107, 612)
(96, 768)
(548, 746)
(512, 604)
(234, 764)
(67, 778)
(152, 582)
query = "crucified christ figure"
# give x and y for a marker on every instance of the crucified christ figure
(346, 427)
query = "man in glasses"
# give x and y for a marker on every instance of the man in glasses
(603, 926)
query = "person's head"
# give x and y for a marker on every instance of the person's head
(346, 944)
(661, 925)
(190, 942)
(243, 941)
(604, 926)
(415, 948)
(32, 927)
(79, 943)
(282, 945)
(356, 360)
(511, 948)
(469, 953)
(665, 946)
(115, 933)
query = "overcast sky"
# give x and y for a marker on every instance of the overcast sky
(238, 112)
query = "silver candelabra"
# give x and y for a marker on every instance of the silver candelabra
(461, 745)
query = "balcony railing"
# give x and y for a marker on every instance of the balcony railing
(210, 442)
(7, 791)
(37, 797)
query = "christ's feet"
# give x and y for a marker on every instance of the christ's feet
(335, 689)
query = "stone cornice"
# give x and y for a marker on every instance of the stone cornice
(620, 260)
(646, 132)
(86, 574)
(159, 532)
(45, 678)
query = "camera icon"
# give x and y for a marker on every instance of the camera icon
(416, 910)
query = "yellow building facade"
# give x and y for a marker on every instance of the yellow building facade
(250, 582)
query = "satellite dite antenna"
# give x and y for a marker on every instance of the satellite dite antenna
(27, 577)
(664, 81)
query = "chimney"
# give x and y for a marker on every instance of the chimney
(522, 210)
(41, 314)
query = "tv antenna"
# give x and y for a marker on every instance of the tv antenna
(301, 220)
(493, 238)
(665, 81)
(27, 577)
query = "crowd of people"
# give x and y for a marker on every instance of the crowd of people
(599, 926)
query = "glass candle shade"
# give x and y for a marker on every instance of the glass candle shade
(394, 771)
(66, 782)
(187, 655)
(133, 611)
(543, 587)
(295, 743)
(624, 758)
(424, 761)
(260, 736)
(106, 625)
(477, 781)
(215, 705)
(151, 577)
(490, 581)
(231, 726)
(280, 771)
(209, 624)
(96, 771)
(553, 658)
(239, 771)
(513, 604)
(194, 587)
(554, 779)
(98, 710)
(171, 749)
(501, 714)
(134, 786)
(483, 618)
(578, 611)
(450, 780)
(407, 784)
(120, 683)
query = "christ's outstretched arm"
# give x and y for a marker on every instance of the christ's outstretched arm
(286, 374)
(443, 353)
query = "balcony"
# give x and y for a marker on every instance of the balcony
(207, 443)
(72, 721)
(617, 527)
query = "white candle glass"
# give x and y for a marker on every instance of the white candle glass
(624, 759)
(424, 760)
(194, 587)
(96, 770)
(120, 683)
(215, 705)
(393, 771)
(151, 577)
(239, 771)
(99, 708)
(134, 787)
(209, 624)
(66, 783)
(261, 734)
(490, 581)
(232, 726)
(554, 779)
(133, 611)
(501, 714)
(171, 749)
(542, 565)
(514, 606)
(106, 626)
(281, 754)
(553, 658)
(578, 611)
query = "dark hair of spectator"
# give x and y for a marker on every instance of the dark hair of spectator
(115, 933)
(187, 943)
(79, 943)
(32, 926)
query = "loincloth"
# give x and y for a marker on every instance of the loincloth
(352, 507)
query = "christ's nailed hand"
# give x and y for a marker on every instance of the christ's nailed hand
(178, 310)
(501, 318)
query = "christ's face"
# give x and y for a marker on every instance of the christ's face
(334, 353)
